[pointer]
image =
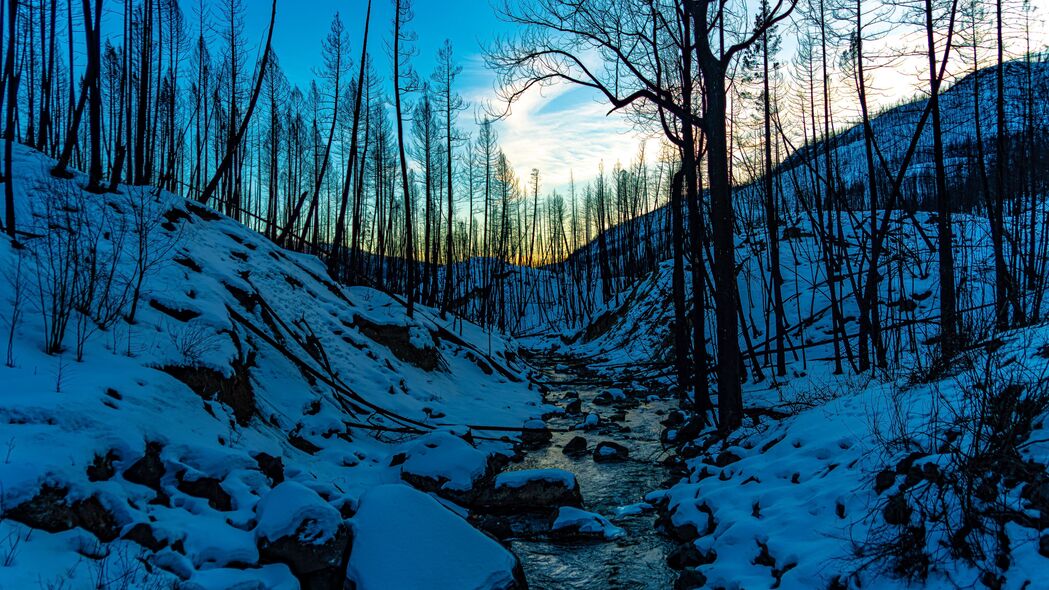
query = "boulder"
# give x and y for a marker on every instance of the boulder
(590, 421)
(94, 517)
(411, 344)
(143, 534)
(207, 488)
(574, 407)
(609, 452)
(689, 580)
(298, 528)
(101, 468)
(148, 470)
(687, 556)
(575, 447)
(444, 464)
(726, 458)
(403, 538)
(535, 435)
(270, 466)
(530, 490)
(529, 525)
(50, 510)
(573, 523)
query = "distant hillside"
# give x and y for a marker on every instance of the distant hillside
(893, 129)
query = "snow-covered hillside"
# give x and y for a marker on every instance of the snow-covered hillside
(893, 130)
(861, 483)
(839, 480)
(845, 480)
(635, 328)
(228, 436)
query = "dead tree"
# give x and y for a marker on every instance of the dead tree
(227, 159)
(404, 81)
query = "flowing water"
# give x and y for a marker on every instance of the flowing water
(637, 559)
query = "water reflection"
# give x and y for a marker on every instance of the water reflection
(636, 561)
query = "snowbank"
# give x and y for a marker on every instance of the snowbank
(248, 385)
(405, 539)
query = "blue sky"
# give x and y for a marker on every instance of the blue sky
(561, 131)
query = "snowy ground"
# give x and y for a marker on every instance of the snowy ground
(227, 437)
(255, 416)
(793, 500)
(799, 502)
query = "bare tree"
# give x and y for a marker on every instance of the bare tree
(450, 104)
(11, 81)
(404, 81)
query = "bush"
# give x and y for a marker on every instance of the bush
(960, 477)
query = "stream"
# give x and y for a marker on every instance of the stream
(638, 558)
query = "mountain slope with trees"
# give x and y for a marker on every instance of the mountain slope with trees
(187, 403)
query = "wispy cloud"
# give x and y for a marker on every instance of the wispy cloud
(561, 130)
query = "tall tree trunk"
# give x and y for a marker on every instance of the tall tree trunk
(334, 261)
(92, 23)
(449, 267)
(144, 80)
(409, 253)
(680, 330)
(9, 123)
(948, 299)
(726, 293)
(869, 321)
(772, 220)
(1005, 294)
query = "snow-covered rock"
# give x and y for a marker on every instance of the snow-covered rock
(405, 539)
(608, 452)
(572, 522)
(443, 463)
(530, 489)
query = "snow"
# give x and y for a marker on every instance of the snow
(269, 577)
(585, 522)
(405, 539)
(325, 416)
(633, 509)
(213, 543)
(291, 506)
(444, 456)
(804, 486)
(522, 477)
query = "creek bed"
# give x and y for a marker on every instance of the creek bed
(636, 560)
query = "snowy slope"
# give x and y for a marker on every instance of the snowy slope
(893, 130)
(797, 498)
(803, 495)
(804, 501)
(245, 367)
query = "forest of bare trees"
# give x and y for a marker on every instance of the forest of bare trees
(397, 183)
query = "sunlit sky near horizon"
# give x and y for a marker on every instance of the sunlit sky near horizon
(560, 130)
